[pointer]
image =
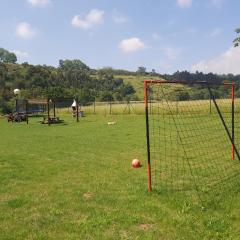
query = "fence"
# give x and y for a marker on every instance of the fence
(137, 107)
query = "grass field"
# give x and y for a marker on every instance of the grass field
(75, 181)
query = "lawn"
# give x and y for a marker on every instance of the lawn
(75, 181)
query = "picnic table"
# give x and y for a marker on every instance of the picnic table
(17, 117)
(50, 120)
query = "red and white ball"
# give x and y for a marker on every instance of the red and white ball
(136, 163)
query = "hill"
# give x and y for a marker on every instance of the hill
(137, 82)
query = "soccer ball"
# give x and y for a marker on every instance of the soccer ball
(136, 163)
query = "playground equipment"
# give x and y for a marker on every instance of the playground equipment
(76, 110)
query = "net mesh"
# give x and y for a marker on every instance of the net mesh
(189, 146)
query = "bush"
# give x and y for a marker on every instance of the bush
(5, 107)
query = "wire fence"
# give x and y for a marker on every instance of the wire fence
(137, 107)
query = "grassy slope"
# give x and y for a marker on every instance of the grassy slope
(75, 181)
(137, 82)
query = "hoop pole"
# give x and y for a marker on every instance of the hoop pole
(233, 127)
(147, 136)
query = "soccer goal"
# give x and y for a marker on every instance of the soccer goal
(192, 135)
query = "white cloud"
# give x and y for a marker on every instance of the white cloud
(171, 53)
(38, 3)
(118, 17)
(215, 32)
(131, 45)
(24, 30)
(184, 3)
(228, 62)
(93, 18)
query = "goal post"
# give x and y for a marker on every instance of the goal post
(147, 135)
(191, 134)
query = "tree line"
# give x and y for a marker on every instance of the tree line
(74, 79)
(71, 79)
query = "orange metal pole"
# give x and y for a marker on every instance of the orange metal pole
(233, 135)
(147, 135)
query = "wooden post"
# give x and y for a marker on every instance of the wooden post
(16, 105)
(48, 111)
(110, 107)
(177, 106)
(210, 106)
(54, 108)
(77, 105)
(27, 111)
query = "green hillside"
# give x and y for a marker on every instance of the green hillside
(137, 82)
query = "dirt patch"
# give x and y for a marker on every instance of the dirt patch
(145, 227)
(87, 195)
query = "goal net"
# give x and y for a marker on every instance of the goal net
(192, 136)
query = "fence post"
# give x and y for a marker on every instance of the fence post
(77, 105)
(177, 106)
(233, 109)
(210, 106)
(110, 107)
(54, 108)
(94, 106)
(27, 111)
(48, 111)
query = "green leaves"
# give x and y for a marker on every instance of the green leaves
(237, 30)
(236, 41)
(6, 56)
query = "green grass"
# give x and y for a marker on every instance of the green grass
(75, 181)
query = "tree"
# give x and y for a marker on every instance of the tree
(3, 73)
(6, 56)
(127, 90)
(236, 41)
(153, 72)
(141, 70)
(75, 64)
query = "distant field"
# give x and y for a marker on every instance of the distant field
(75, 181)
(137, 107)
(137, 83)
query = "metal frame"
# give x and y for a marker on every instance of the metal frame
(231, 135)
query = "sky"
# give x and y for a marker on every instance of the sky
(165, 35)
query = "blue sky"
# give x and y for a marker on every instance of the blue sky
(165, 35)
